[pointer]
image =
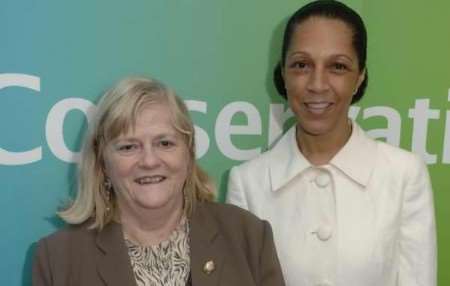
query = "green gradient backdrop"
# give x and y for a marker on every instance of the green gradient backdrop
(218, 52)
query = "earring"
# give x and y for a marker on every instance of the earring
(185, 197)
(107, 187)
(107, 184)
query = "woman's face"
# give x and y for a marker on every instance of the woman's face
(148, 165)
(321, 75)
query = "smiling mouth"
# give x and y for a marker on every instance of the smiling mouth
(317, 107)
(150, 180)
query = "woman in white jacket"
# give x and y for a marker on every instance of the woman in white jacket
(345, 209)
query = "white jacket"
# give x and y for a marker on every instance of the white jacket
(364, 219)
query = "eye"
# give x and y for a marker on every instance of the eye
(165, 143)
(339, 67)
(126, 148)
(298, 65)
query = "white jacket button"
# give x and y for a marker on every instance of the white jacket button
(324, 232)
(322, 180)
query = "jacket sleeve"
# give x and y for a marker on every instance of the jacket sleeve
(41, 273)
(417, 244)
(270, 269)
(235, 192)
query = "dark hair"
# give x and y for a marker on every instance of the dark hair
(333, 10)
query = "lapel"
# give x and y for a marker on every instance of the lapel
(206, 245)
(113, 262)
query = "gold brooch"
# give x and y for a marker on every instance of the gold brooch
(209, 267)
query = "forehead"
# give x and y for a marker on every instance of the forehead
(154, 115)
(153, 118)
(328, 33)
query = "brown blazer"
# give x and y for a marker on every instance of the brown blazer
(240, 245)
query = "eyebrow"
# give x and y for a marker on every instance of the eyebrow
(124, 139)
(164, 135)
(302, 53)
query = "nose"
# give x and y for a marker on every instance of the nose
(318, 81)
(149, 158)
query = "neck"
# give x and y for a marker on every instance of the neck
(151, 226)
(320, 149)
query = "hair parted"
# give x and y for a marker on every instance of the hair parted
(116, 114)
(330, 9)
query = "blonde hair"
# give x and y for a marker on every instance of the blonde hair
(116, 114)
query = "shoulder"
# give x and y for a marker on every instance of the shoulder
(396, 154)
(70, 232)
(229, 213)
(246, 182)
(401, 166)
(398, 158)
(387, 160)
(66, 240)
(257, 164)
(278, 151)
(232, 218)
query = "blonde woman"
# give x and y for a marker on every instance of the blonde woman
(144, 214)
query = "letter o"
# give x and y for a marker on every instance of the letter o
(55, 124)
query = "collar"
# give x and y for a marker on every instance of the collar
(358, 156)
(286, 160)
(356, 159)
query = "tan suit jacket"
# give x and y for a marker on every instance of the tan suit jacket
(240, 245)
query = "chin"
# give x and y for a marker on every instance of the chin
(316, 128)
(157, 201)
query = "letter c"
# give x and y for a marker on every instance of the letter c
(33, 155)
